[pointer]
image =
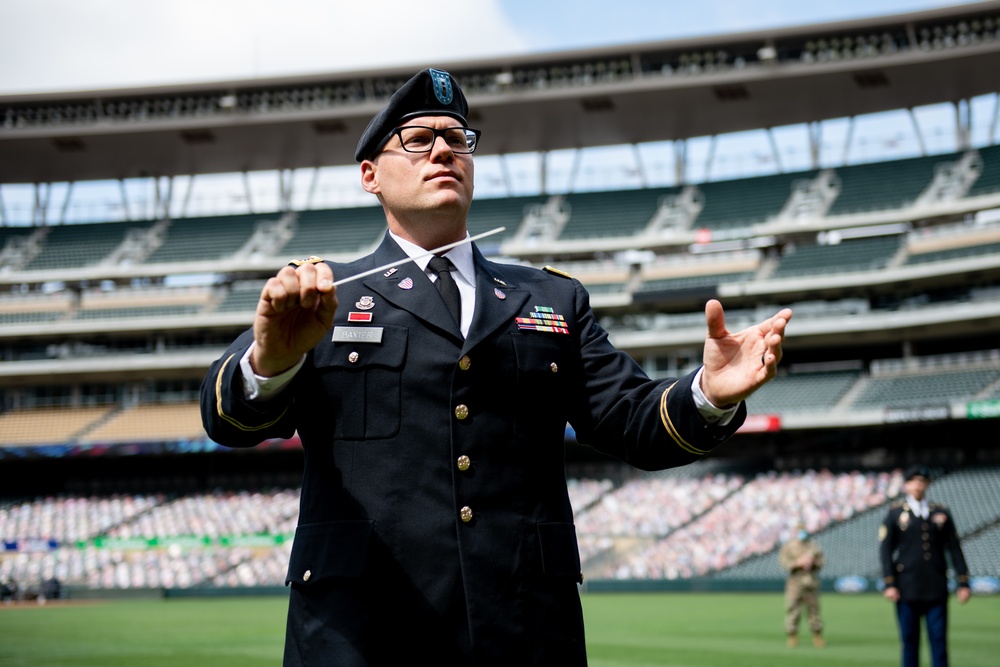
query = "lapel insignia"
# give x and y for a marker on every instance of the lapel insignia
(366, 303)
(499, 282)
(543, 319)
(390, 271)
(500, 294)
(406, 283)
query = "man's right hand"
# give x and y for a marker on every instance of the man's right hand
(295, 311)
(891, 594)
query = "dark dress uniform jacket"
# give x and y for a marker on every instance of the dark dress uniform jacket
(434, 519)
(912, 551)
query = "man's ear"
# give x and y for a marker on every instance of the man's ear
(369, 177)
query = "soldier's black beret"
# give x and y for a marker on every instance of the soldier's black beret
(431, 92)
(917, 471)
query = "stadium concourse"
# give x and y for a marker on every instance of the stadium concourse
(892, 267)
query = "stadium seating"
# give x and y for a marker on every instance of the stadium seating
(205, 238)
(853, 255)
(747, 201)
(685, 522)
(748, 241)
(333, 232)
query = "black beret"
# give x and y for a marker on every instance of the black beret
(432, 92)
(917, 471)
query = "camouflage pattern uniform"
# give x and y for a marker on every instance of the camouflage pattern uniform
(802, 586)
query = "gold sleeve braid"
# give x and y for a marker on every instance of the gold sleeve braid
(218, 403)
(672, 430)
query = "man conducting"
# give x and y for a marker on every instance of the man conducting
(913, 541)
(431, 399)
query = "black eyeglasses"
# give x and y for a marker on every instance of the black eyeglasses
(420, 139)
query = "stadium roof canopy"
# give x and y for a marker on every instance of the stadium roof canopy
(653, 91)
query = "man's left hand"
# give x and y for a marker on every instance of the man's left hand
(738, 364)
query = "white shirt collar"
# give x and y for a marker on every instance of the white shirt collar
(918, 507)
(460, 256)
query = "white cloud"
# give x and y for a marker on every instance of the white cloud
(72, 45)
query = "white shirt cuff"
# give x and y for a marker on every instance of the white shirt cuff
(260, 388)
(710, 413)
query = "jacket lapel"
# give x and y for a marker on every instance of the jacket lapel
(419, 297)
(498, 300)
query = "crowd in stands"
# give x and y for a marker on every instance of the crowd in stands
(754, 519)
(677, 524)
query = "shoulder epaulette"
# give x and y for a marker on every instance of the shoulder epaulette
(312, 259)
(556, 272)
(898, 503)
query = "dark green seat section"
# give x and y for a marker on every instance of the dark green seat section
(138, 312)
(14, 235)
(954, 253)
(73, 246)
(30, 317)
(619, 213)
(605, 288)
(937, 386)
(746, 201)
(989, 180)
(488, 214)
(335, 231)
(242, 297)
(851, 255)
(689, 282)
(882, 186)
(798, 392)
(206, 238)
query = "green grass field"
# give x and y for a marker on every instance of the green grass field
(624, 630)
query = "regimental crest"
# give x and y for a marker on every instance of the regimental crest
(366, 303)
(904, 520)
(442, 86)
(940, 518)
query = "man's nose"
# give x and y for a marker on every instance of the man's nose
(443, 151)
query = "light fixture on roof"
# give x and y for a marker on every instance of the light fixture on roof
(767, 53)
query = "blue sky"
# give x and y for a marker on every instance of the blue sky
(50, 45)
(53, 45)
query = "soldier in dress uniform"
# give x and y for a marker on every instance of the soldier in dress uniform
(802, 559)
(431, 399)
(913, 541)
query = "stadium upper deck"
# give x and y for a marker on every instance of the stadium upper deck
(670, 90)
(881, 261)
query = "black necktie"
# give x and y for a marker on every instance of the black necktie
(446, 285)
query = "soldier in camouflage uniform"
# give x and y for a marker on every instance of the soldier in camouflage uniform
(802, 559)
